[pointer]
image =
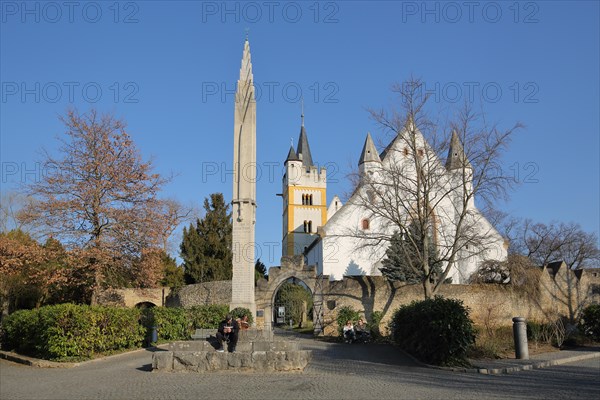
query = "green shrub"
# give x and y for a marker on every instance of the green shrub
(207, 317)
(176, 323)
(239, 312)
(20, 330)
(68, 331)
(171, 323)
(376, 318)
(437, 331)
(345, 314)
(589, 322)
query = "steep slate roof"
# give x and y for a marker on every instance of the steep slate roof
(292, 156)
(304, 149)
(456, 155)
(369, 152)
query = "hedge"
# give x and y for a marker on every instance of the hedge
(70, 332)
(75, 332)
(180, 323)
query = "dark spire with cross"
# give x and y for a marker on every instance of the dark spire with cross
(302, 110)
(303, 149)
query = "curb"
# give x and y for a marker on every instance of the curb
(508, 370)
(36, 362)
(536, 365)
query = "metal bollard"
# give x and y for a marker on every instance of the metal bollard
(520, 336)
(153, 335)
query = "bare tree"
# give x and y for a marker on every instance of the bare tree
(558, 242)
(561, 250)
(430, 204)
(11, 204)
(173, 214)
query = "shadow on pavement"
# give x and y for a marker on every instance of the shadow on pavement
(145, 368)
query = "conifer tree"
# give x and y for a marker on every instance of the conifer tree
(206, 247)
(402, 257)
(260, 270)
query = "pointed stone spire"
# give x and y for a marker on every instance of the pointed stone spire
(304, 149)
(292, 155)
(456, 155)
(246, 69)
(369, 151)
(244, 188)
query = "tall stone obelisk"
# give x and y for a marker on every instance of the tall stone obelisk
(244, 187)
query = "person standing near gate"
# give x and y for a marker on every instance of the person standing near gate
(228, 333)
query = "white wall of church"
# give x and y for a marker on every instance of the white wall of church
(346, 250)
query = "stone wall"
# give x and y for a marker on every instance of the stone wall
(218, 292)
(488, 304)
(132, 297)
(556, 292)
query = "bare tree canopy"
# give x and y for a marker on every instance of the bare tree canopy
(412, 189)
(100, 193)
(558, 242)
(11, 204)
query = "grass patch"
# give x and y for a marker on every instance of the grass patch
(493, 343)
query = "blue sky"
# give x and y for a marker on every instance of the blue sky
(170, 68)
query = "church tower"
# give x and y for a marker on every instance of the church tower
(244, 187)
(304, 197)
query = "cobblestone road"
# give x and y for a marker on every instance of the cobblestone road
(337, 371)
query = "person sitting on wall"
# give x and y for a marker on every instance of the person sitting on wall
(349, 333)
(243, 322)
(362, 333)
(228, 333)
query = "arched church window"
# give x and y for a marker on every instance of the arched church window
(365, 224)
(406, 151)
(305, 226)
(309, 226)
(310, 199)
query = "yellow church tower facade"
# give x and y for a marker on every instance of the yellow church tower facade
(304, 198)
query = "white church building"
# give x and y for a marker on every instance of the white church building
(338, 239)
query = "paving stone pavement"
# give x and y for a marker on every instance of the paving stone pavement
(372, 371)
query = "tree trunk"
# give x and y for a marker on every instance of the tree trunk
(427, 289)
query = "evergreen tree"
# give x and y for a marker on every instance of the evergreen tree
(260, 270)
(402, 261)
(206, 247)
(172, 274)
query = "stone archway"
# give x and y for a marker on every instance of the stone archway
(291, 267)
(291, 307)
(145, 304)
